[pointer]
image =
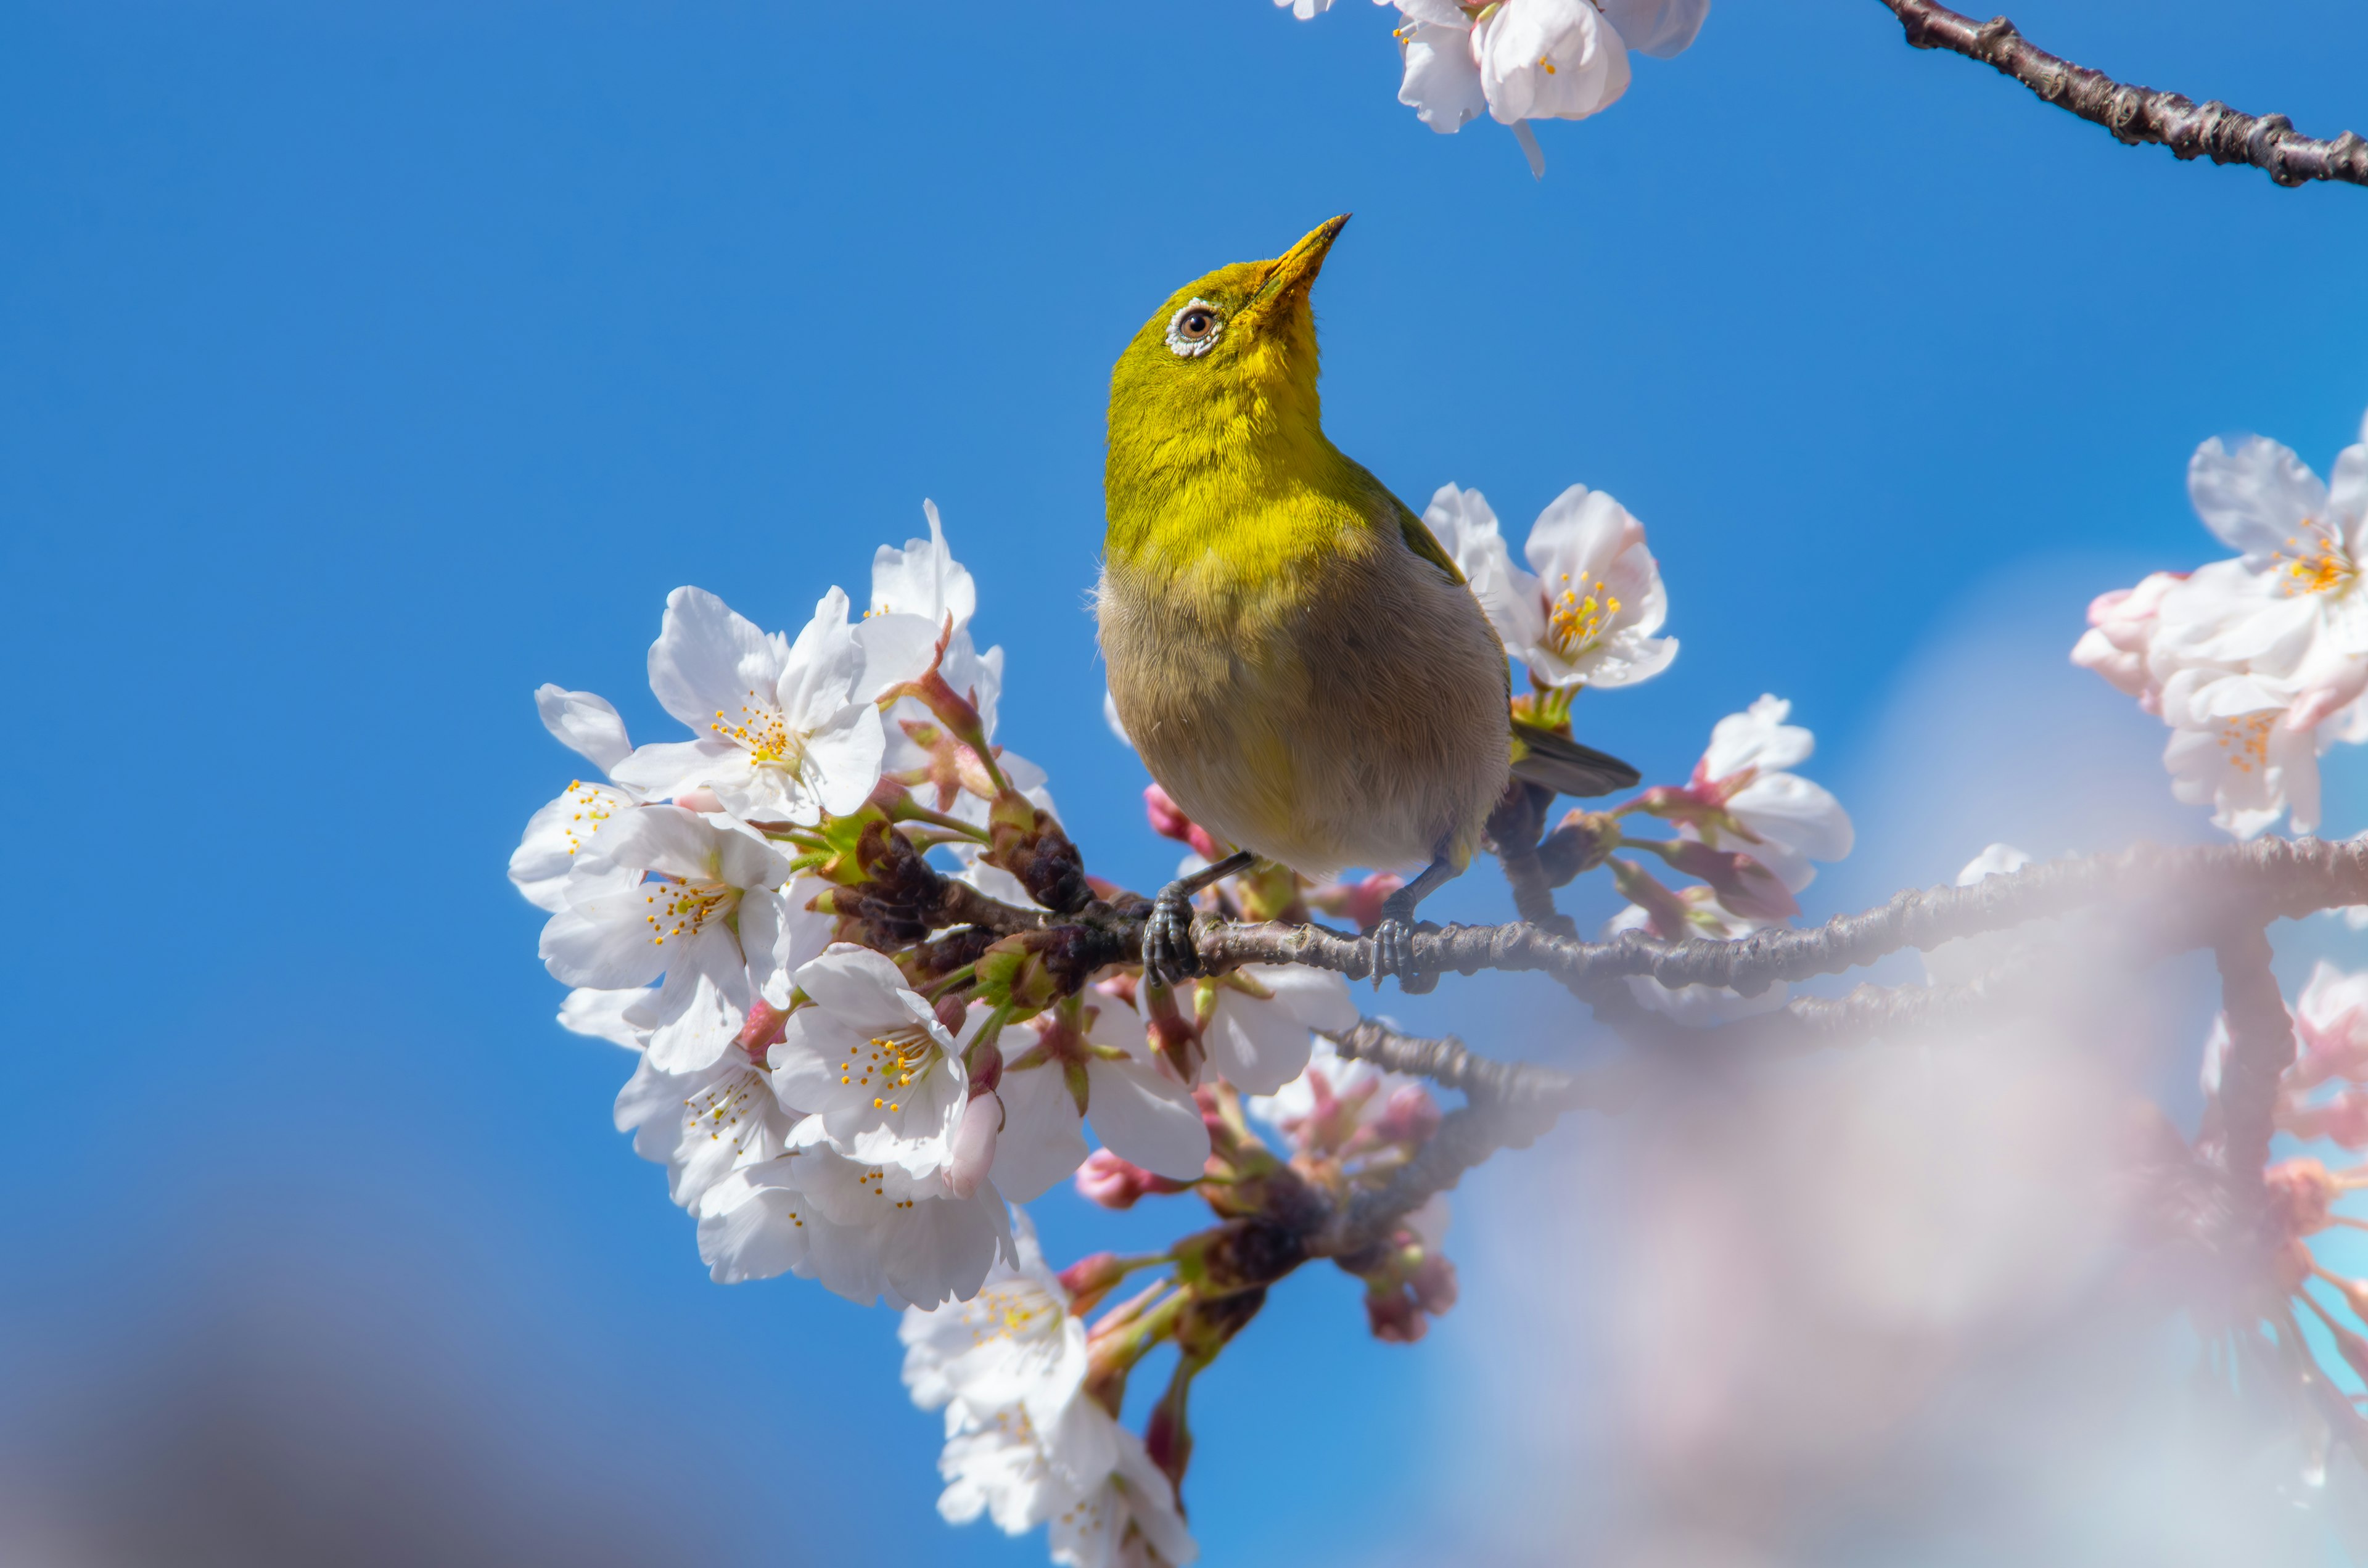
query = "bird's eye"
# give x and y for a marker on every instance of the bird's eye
(1193, 330)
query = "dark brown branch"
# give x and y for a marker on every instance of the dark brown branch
(2260, 1049)
(2268, 143)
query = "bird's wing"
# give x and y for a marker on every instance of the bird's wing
(1423, 542)
(1418, 538)
(1549, 757)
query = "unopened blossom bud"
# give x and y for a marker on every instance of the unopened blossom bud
(762, 1029)
(1169, 821)
(1409, 1115)
(951, 1011)
(1583, 841)
(1664, 909)
(1433, 1284)
(1114, 1183)
(2343, 1118)
(2302, 1195)
(1742, 883)
(1090, 1278)
(974, 1146)
(701, 799)
(1393, 1316)
(1360, 901)
(1031, 971)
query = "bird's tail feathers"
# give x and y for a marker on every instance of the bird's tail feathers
(1554, 761)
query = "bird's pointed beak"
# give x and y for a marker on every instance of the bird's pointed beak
(1294, 272)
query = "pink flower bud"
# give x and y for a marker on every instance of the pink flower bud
(762, 1029)
(952, 1012)
(1090, 1278)
(1169, 821)
(1115, 1184)
(1742, 883)
(2302, 1194)
(973, 1152)
(1409, 1115)
(1393, 1317)
(1360, 901)
(700, 799)
(1433, 1284)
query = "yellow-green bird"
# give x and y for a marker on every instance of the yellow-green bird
(1298, 660)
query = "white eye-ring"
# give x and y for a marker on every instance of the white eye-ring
(1193, 330)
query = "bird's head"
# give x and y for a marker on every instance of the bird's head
(1223, 373)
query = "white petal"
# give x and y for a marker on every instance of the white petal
(896, 649)
(667, 768)
(707, 658)
(1146, 1117)
(824, 663)
(584, 724)
(1043, 1139)
(1658, 27)
(842, 759)
(923, 579)
(698, 1020)
(601, 1015)
(1441, 84)
(2255, 498)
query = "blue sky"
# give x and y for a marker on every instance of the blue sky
(363, 365)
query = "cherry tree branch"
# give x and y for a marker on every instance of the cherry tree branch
(2183, 893)
(2135, 115)
(2260, 1049)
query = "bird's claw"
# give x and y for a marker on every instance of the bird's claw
(1394, 952)
(1169, 955)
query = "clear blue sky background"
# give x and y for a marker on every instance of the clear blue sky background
(362, 365)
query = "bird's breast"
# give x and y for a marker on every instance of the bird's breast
(1344, 706)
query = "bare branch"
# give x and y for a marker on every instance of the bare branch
(2136, 114)
(1449, 1064)
(2183, 892)
(2260, 1048)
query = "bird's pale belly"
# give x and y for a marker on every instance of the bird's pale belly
(1366, 726)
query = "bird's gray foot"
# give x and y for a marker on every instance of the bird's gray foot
(1169, 955)
(1393, 944)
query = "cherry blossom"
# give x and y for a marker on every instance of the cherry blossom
(704, 1124)
(2119, 642)
(1586, 612)
(1339, 1103)
(1255, 1022)
(862, 1231)
(1743, 795)
(2234, 747)
(869, 1056)
(788, 730)
(567, 832)
(1091, 1060)
(687, 895)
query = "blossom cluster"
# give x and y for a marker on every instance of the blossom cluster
(874, 1002)
(2258, 663)
(1588, 611)
(1518, 61)
(827, 924)
(2321, 1098)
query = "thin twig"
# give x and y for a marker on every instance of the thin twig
(2268, 143)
